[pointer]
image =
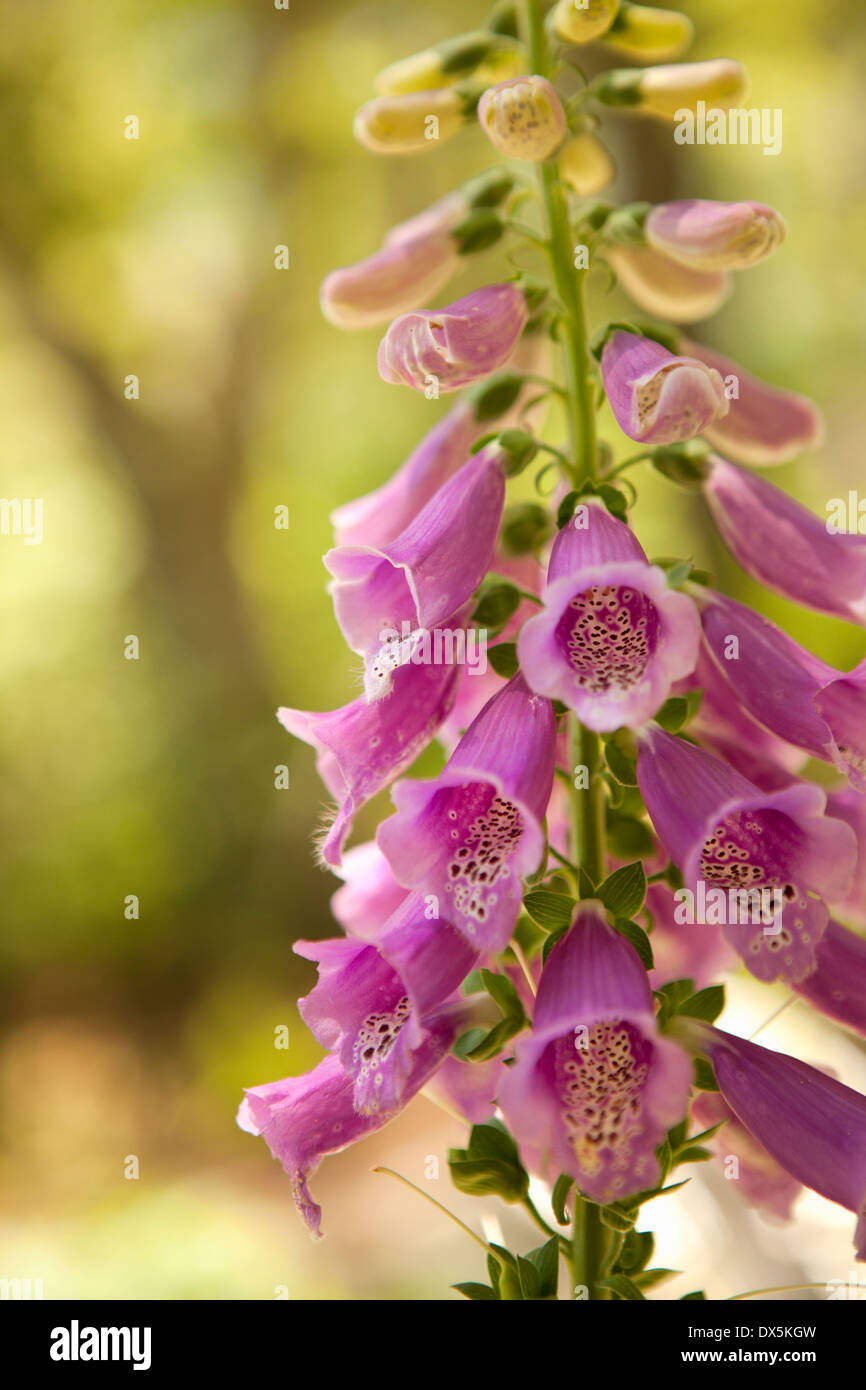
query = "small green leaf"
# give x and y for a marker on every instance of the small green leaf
(503, 992)
(623, 892)
(638, 939)
(495, 605)
(495, 396)
(565, 511)
(617, 1217)
(551, 911)
(679, 573)
(647, 1278)
(704, 1077)
(707, 1004)
(683, 463)
(627, 837)
(637, 1249)
(698, 1294)
(673, 714)
(545, 1261)
(525, 527)
(477, 1292)
(585, 885)
(481, 228)
(492, 1043)
(624, 1288)
(503, 659)
(695, 1154)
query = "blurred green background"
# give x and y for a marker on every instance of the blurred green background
(155, 777)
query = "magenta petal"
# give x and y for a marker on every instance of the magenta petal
(850, 806)
(470, 1088)
(761, 1181)
(785, 546)
(456, 345)
(595, 1088)
(428, 572)
(302, 1118)
(812, 1125)
(794, 694)
(363, 746)
(712, 235)
(682, 950)
(592, 537)
(658, 398)
(837, 985)
(467, 837)
(764, 425)
(728, 836)
(369, 894)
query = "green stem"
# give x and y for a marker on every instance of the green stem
(589, 1242)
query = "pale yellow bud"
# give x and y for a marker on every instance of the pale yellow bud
(585, 164)
(664, 91)
(409, 123)
(655, 36)
(581, 21)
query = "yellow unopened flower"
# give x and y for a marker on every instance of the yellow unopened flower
(411, 122)
(669, 89)
(581, 21)
(585, 164)
(641, 31)
(480, 54)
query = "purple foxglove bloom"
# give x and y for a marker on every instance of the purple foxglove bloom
(684, 950)
(723, 833)
(363, 746)
(454, 346)
(850, 806)
(417, 259)
(658, 398)
(723, 727)
(429, 571)
(595, 1087)
(612, 637)
(710, 235)
(837, 985)
(666, 288)
(369, 893)
(783, 686)
(523, 118)
(808, 1122)
(470, 835)
(302, 1118)
(786, 547)
(372, 1003)
(761, 1181)
(764, 425)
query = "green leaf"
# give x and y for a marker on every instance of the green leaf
(530, 1284)
(495, 396)
(525, 527)
(683, 463)
(551, 941)
(647, 1278)
(467, 1041)
(585, 885)
(637, 1249)
(707, 1004)
(620, 750)
(673, 714)
(496, 604)
(624, 1288)
(545, 1261)
(492, 1043)
(503, 992)
(561, 1189)
(565, 510)
(704, 1077)
(694, 1154)
(490, 1164)
(638, 938)
(617, 1217)
(477, 1292)
(481, 228)
(679, 573)
(503, 659)
(551, 911)
(693, 1297)
(623, 892)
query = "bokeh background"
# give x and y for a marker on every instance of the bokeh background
(155, 777)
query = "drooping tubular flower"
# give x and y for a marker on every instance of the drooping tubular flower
(670, 89)
(595, 1087)
(581, 21)
(658, 398)
(764, 425)
(761, 1181)
(373, 1002)
(456, 345)
(523, 118)
(303, 1118)
(850, 806)
(665, 287)
(428, 572)
(808, 1122)
(363, 746)
(725, 833)
(800, 698)
(710, 235)
(837, 985)
(645, 32)
(411, 122)
(468, 836)
(612, 637)
(416, 260)
(785, 546)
